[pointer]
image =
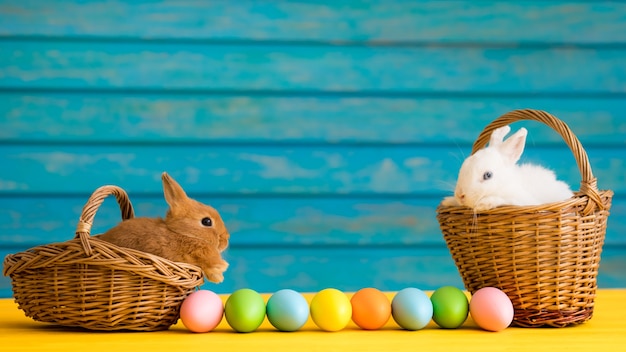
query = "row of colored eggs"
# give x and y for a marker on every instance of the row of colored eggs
(332, 310)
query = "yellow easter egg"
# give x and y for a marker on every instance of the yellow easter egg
(331, 309)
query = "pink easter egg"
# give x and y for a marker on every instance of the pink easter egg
(491, 309)
(202, 311)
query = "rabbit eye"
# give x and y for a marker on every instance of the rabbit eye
(207, 222)
(487, 175)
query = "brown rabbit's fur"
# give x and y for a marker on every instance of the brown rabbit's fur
(180, 236)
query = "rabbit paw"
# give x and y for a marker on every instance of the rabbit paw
(450, 202)
(216, 272)
(215, 277)
(488, 203)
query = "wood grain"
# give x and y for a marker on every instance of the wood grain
(84, 117)
(297, 67)
(261, 221)
(586, 22)
(310, 269)
(261, 169)
(325, 132)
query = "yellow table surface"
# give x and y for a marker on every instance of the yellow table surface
(606, 331)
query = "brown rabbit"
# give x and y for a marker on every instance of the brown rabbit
(191, 232)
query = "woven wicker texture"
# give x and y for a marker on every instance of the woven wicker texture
(93, 284)
(546, 257)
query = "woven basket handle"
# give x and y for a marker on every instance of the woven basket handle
(588, 185)
(83, 229)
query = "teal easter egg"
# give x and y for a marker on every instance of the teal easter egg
(411, 309)
(287, 310)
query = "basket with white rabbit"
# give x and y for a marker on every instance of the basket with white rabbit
(517, 228)
(129, 278)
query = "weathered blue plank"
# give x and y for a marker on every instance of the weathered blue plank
(252, 221)
(272, 221)
(310, 269)
(163, 118)
(324, 132)
(387, 269)
(348, 269)
(201, 67)
(253, 169)
(379, 20)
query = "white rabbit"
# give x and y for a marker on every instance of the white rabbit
(491, 177)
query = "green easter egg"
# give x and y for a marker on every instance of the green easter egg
(244, 310)
(450, 307)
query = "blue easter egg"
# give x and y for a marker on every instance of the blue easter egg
(411, 309)
(287, 310)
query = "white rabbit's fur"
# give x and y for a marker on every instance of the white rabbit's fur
(508, 183)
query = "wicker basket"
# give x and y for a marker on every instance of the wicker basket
(545, 258)
(93, 284)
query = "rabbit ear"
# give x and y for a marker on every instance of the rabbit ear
(497, 136)
(174, 193)
(513, 147)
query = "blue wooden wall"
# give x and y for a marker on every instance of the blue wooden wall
(325, 132)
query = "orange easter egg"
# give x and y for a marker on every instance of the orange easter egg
(371, 309)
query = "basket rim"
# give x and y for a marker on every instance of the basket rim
(107, 256)
(578, 199)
